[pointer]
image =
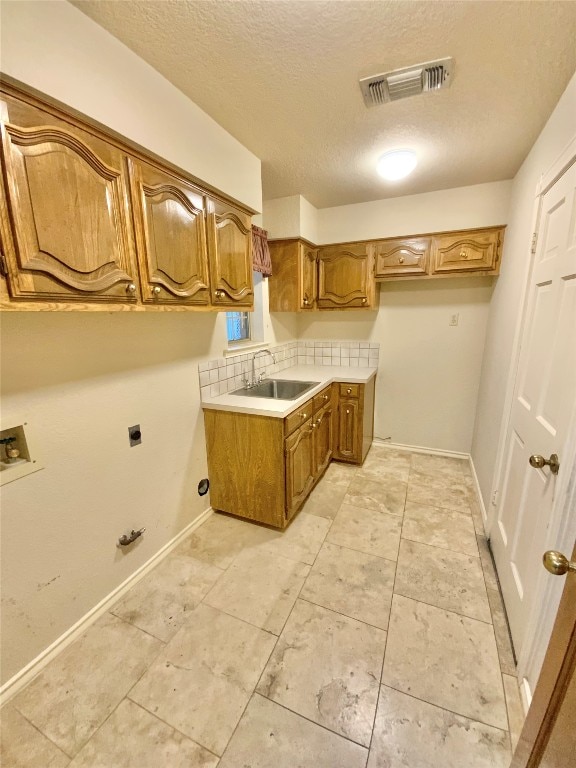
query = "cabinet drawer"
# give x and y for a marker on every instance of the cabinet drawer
(402, 257)
(350, 390)
(466, 251)
(297, 418)
(322, 398)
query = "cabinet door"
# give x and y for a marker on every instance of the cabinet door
(230, 256)
(345, 277)
(466, 251)
(67, 200)
(349, 431)
(322, 440)
(299, 467)
(309, 275)
(170, 236)
(396, 258)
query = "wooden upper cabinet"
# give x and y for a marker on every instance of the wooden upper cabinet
(230, 255)
(308, 283)
(294, 282)
(345, 276)
(68, 206)
(408, 256)
(467, 251)
(169, 220)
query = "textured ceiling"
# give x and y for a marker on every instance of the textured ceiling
(282, 77)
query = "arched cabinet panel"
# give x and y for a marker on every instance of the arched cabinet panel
(345, 276)
(230, 255)
(69, 212)
(170, 228)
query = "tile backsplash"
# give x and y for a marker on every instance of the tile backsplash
(225, 374)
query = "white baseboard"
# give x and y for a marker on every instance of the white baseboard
(436, 452)
(25, 675)
(479, 494)
(420, 449)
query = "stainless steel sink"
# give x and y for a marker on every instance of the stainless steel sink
(278, 389)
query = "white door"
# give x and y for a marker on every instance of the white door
(542, 407)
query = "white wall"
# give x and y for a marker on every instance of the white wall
(291, 216)
(461, 208)
(429, 371)
(81, 379)
(503, 328)
(55, 48)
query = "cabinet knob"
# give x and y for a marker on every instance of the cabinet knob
(155, 290)
(326, 397)
(303, 416)
(130, 288)
(306, 300)
(364, 300)
(463, 255)
(348, 391)
(348, 412)
(219, 294)
(401, 260)
(313, 425)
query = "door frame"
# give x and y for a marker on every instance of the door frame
(547, 599)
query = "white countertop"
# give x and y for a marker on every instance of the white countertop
(267, 406)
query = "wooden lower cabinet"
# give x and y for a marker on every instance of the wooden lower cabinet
(354, 421)
(263, 468)
(299, 467)
(323, 439)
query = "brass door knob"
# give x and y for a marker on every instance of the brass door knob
(401, 260)
(557, 563)
(349, 391)
(539, 461)
(131, 288)
(219, 294)
(156, 290)
(364, 300)
(463, 255)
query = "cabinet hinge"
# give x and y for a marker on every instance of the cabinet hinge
(534, 241)
(3, 270)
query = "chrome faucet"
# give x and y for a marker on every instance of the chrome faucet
(252, 383)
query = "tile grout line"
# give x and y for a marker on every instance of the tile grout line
(36, 728)
(314, 722)
(445, 709)
(440, 608)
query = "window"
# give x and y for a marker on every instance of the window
(247, 328)
(237, 326)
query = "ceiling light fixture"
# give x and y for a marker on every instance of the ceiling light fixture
(397, 164)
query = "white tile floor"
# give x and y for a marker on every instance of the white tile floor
(370, 633)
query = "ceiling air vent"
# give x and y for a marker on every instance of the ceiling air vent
(410, 81)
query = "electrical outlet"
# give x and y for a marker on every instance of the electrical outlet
(135, 435)
(454, 319)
